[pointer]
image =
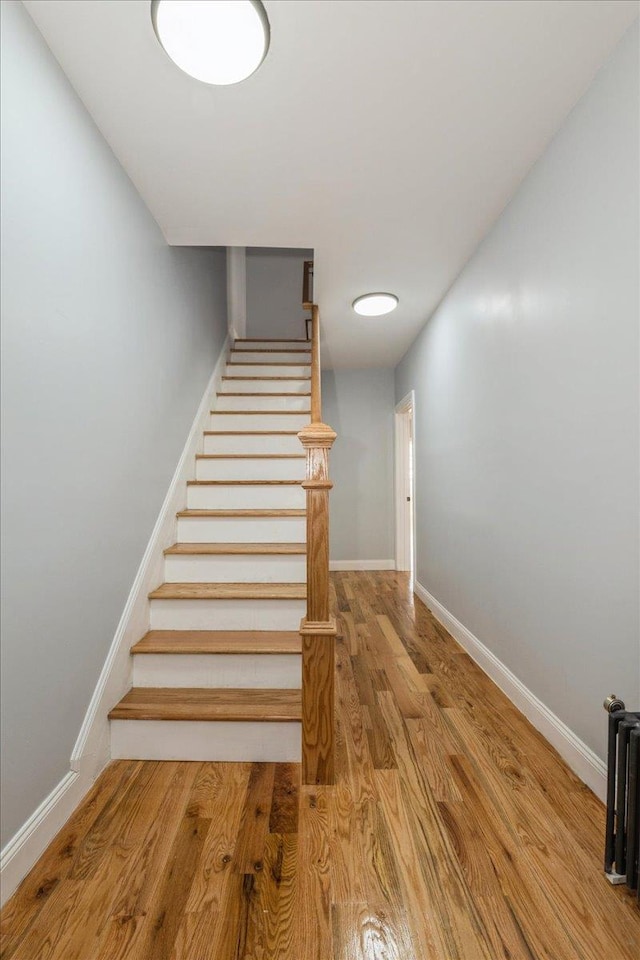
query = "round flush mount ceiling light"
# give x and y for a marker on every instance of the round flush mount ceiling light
(216, 41)
(375, 304)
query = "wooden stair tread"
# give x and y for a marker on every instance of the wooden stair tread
(251, 433)
(243, 483)
(214, 549)
(271, 340)
(218, 641)
(197, 703)
(249, 512)
(230, 591)
(265, 378)
(250, 456)
(267, 363)
(271, 349)
(245, 393)
(253, 413)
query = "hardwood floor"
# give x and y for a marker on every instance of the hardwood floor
(453, 832)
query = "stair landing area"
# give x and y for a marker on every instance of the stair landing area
(218, 674)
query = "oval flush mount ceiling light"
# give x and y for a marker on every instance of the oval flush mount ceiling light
(375, 304)
(216, 41)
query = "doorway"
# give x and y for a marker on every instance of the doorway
(405, 484)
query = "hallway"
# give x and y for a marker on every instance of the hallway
(453, 832)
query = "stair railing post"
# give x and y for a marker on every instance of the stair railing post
(318, 628)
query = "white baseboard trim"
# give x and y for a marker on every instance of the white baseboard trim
(92, 750)
(362, 565)
(583, 761)
(22, 851)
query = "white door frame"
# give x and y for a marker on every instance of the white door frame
(404, 418)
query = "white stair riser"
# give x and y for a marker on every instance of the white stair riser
(252, 443)
(272, 345)
(241, 530)
(258, 421)
(241, 497)
(226, 614)
(294, 402)
(256, 568)
(221, 740)
(249, 356)
(266, 386)
(267, 370)
(251, 469)
(277, 671)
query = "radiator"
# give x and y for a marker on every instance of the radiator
(622, 840)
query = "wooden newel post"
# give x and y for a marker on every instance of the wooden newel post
(318, 629)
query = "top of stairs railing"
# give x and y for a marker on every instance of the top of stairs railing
(307, 292)
(318, 628)
(307, 285)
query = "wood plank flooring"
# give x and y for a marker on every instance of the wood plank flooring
(453, 832)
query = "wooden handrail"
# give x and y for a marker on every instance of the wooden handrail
(318, 628)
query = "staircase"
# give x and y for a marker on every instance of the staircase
(218, 674)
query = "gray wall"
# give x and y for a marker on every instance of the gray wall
(526, 383)
(359, 404)
(274, 292)
(109, 338)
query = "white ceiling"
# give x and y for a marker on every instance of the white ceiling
(386, 134)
